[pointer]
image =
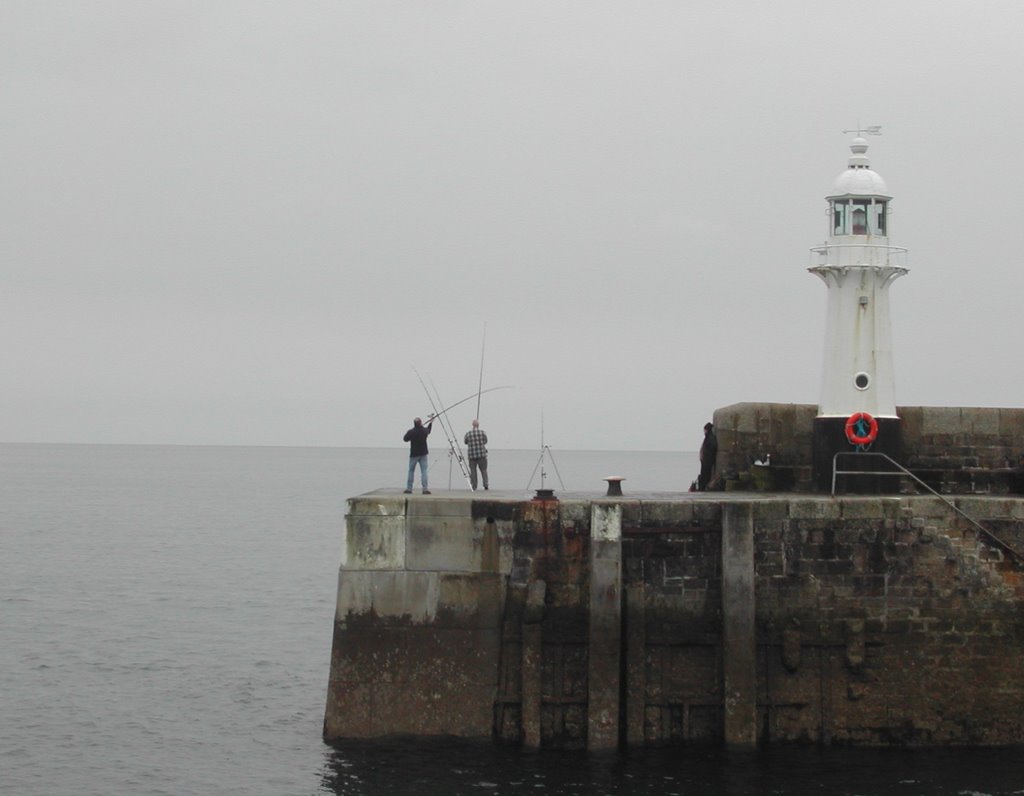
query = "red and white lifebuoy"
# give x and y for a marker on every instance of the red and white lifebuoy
(861, 429)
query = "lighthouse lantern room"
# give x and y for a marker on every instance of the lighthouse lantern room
(858, 264)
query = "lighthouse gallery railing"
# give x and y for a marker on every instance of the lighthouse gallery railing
(843, 254)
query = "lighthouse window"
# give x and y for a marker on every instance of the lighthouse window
(878, 218)
(859, 216)
(861, 381)
(839, 218)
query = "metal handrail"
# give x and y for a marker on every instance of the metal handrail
(901, 470)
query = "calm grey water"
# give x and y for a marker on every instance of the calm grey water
(165, 628)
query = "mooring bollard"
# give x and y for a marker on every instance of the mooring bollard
(614, 485)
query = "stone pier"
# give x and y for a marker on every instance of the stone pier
(597, 621)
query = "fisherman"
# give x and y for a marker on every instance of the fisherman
(476, 451)
(708, 454)
(417, 439)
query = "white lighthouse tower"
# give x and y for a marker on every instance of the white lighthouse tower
(857, 265)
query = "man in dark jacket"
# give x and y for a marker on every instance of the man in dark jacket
(417, 439)
(708, 454)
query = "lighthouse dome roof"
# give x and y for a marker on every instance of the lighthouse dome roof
(859, 179)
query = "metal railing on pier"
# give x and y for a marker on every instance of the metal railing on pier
(903, 471)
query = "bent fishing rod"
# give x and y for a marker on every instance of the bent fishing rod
(446, 428)
(453, 441)
(437, 412)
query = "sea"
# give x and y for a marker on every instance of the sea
(165, 628)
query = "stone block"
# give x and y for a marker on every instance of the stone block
(742, 418)
(942, 421)
(770, 513)
(446, 543)
(404, 597)
(506, 548)
(976, 507)
(575, 511)
(443, 707)
(862, 508)
(892, 508)
(375, 542)
(911, 420)
(458, 656)
(369, 654)
(605, 578)
(470, 600)
(355, 595)
(666, 513)
(632, 513)
(440, 507)
(606, 522)
(489, 534)
(803, 417)
(376, 506)
(1011, 424)
(500, 511)
(707, 515)
(815, 509)
(349, 712)
(928, 507)
(601, 550)
(792, 431)
(982, 421)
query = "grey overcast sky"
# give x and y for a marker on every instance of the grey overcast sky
(246, 222)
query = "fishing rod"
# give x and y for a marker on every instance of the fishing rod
(453, 441)
(480, 383)
(441, 416)
(463, 400)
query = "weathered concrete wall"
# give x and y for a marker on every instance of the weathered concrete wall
(954, 449)
(712, 617)
(417, 630)
(739, 635)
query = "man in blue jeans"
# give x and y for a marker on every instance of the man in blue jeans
(417, 439)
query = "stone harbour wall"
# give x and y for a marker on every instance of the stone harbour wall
(739, 618)
(955, 450)
(417, 629)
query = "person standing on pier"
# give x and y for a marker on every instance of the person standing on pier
(476, 452)
(708, 455)
(417, 439)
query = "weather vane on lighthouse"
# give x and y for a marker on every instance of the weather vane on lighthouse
(874, 129)
(857, 263)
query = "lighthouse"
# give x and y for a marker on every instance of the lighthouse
(857, 263)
